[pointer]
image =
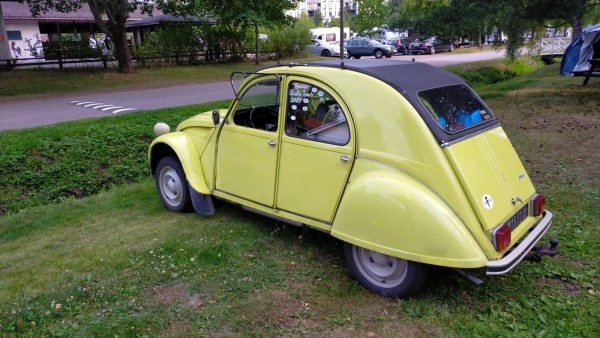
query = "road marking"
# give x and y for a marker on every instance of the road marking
(102, 106)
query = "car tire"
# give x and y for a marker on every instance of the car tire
(432, 50)
(414, 53)
(378, 53)
(326, 53)
(172, 185)
(451, 47)
(385, 275)
(405, 51)
(387, 56)
(356, 56)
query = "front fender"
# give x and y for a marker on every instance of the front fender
(181, 145)
(385, 210)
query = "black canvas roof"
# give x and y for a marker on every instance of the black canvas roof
(408, 77)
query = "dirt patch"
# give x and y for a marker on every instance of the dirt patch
(177, 294)
(567, 287)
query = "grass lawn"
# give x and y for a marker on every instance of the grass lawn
(117, 263)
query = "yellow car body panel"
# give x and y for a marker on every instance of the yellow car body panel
(187, 153)
(395, 214)
(495, 181)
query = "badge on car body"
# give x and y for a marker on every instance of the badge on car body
(487, 201)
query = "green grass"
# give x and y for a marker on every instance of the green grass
(118, 263)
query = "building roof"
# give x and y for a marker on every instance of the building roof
(13, 10)
(163, 18)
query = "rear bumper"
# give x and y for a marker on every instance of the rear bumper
(519, 251)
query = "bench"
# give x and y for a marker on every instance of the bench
(594, 70)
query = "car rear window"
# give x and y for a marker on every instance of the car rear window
(455, 107)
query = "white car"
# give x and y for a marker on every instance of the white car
(325, 49)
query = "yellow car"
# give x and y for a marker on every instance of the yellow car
(401, 161)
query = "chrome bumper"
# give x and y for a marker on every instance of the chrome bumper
(519, 251)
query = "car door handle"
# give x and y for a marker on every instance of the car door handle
(345, 158)
(272, 143)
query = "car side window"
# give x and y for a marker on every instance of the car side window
(258, 107)
(314, 114)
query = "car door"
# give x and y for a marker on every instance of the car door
(317, 150)
(246, 159)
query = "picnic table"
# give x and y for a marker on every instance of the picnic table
(594, 70)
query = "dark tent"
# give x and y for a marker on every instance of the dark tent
(584, 47)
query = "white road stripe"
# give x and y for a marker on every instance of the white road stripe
(120, 110)
(102, 106)
(112, 107)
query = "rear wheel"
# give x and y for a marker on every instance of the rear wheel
(325, 53)
(385, 275)
(172, 185)
(378, 54)
(432, 50)
(451, 47)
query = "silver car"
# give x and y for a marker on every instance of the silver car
(325, 49)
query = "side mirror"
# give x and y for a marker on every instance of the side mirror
(216, 117)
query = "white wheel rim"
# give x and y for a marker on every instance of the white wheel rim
(170, 185)
(382, 270)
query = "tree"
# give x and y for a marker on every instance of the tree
(238, 15)
(116, 11)
(371, 14)
(476, 17)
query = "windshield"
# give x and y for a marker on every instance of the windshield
(454, 107)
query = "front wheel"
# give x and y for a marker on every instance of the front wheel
(385, 275)
(378, 54)
(432, 50)
(325, 53)
(172, 185)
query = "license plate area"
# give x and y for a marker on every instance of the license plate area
(518, 217)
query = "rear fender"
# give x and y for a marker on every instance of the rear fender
(182, 146)
(392, 213)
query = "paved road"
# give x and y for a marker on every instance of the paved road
(44, 111)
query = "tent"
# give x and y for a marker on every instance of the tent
(582, 48)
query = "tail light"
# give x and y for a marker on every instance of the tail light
(501, 237)
(538, 205)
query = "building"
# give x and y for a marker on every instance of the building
(328, 9)
(18, 25)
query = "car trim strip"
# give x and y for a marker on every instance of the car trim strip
(519, 251)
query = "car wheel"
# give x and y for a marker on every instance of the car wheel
(387, 56)
(432, 50)
(415, 53)
(378, 54)
(172, 185)
(405, 51)
(385, 275)
(356, 56)
(451, 47)
(325, 53)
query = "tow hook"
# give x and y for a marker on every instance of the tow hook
(551, 251)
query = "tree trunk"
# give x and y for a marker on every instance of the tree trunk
(122, 52)
(577, 26)
(257, 61)
(117, 12)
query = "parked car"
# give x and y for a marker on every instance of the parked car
(430, 45)
(422, 176)
(366, 47)
(400, 44)
(325, 49)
